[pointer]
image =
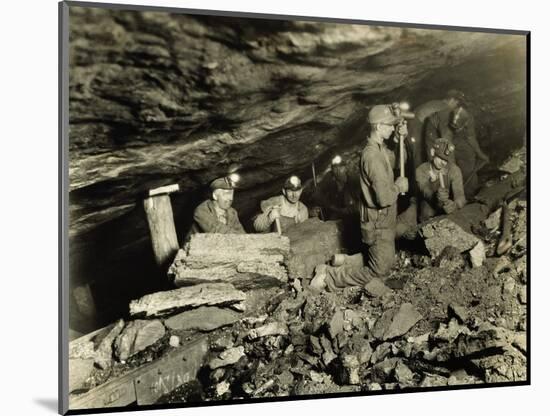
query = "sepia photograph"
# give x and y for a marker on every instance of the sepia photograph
(264, 207)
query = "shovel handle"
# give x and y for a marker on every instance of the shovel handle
(278, 225)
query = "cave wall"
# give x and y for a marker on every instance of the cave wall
(158, 98)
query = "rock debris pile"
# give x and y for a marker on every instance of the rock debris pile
(455, 315)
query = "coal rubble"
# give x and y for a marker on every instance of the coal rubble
(448, 322)
(451, 324)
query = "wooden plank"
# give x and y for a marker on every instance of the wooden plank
(165, 376)
(164, 190)
(151, 380)
(162, 228)
(115, 393)
(206, 294)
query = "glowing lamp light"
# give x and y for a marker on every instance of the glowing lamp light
(294, 180)
(234, 177)
(336, 160)
(404, 106)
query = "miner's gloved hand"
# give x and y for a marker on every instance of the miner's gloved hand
(274, 213)
(402, 183)
(315, 212)
(449, 207)
(402, 129)
(442, 196)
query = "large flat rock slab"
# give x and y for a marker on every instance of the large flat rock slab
(405, 318)
(204, 319)
(188, 297)
(104, 352)
(442, 232)
(396, 322)
(313, 242)
(137, 336)
(226, 257)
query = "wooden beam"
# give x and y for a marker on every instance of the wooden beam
(164, 190)
(146, 384)
(162, 229)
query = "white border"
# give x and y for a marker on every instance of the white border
(29, 209)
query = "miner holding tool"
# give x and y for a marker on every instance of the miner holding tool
(280, 212)
(406, 225)
(378, 207)
(215, 215)
(440, 182)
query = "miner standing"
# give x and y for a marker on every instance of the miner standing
(469, 156)
(438, 113)
(378, 207)
(438, 124)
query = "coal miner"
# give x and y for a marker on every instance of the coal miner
(378, 208)
(337, 192)
(438, 124)
(215, 215)
(469, 156)
(417, 126)
(284, 210)
(440, 182)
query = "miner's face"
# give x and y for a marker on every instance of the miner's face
(292, 196)
(339, 173)
(453, 103)
(223, 198)
(385, 130)
(459, 119)
(439, 163)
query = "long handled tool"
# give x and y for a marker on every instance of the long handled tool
(402, 157)
(441, 181)
(505, 242)
(315, 187)
(278, 225)
(314, 175)
(402, 110)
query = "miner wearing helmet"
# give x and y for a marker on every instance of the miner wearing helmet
(438, 112)
(438, 123)
(440, 182)
(378, 207)
(286, 209)
(338, 192)
(215, 215)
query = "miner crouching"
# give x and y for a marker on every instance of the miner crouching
(378, 208)
(439, 182)
(215, 215)
(285, 209)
